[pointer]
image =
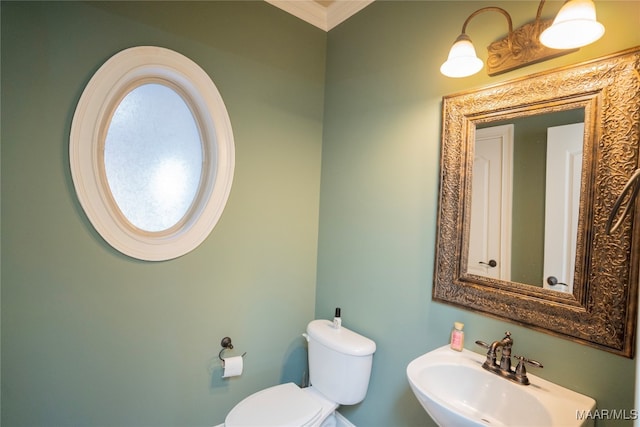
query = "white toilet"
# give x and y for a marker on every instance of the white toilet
(339, 370)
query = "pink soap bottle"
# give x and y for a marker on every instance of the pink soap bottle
(457, 336)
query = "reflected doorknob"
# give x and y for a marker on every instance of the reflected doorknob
(552, 281)
(492, 263)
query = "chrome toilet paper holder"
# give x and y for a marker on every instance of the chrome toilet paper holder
(226, 345)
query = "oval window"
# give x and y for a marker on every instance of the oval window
(153, 157)
(151, 153)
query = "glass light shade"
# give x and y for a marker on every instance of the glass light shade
(462, 60)
(575, 26)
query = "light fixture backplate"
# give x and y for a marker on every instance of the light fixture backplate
(526, 49)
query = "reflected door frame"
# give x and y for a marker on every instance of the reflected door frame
(491, 207)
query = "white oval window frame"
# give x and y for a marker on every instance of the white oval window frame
(114, 79)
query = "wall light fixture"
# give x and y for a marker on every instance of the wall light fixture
(574, 26)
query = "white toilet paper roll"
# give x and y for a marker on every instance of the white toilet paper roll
(232, 366)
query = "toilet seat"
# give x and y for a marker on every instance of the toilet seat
(281, 405)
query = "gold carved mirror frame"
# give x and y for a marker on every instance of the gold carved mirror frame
(602, 309)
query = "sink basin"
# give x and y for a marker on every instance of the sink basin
(455, 390)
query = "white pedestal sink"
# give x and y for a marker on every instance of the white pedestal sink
(455, 390)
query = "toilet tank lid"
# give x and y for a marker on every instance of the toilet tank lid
(343, 340)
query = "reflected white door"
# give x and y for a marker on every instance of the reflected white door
(564, 166)
(491, 193)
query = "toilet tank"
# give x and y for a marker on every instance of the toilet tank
(339, 362)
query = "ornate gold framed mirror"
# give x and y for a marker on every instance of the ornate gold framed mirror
(578, 282)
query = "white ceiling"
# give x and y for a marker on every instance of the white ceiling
(324, 14)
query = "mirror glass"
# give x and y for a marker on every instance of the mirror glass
(525, 195)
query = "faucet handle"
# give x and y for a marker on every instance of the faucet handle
(531, 362)
(521, 372)
(483, 344)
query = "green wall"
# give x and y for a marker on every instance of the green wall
(379, 192)
(334, 203)
(93, 338)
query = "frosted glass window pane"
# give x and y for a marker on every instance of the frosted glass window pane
(153, 157)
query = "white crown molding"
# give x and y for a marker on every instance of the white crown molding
(320, 16)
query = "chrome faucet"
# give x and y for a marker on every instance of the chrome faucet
(519, 375)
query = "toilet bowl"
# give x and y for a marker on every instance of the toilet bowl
(339, 371)
(284, 405)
